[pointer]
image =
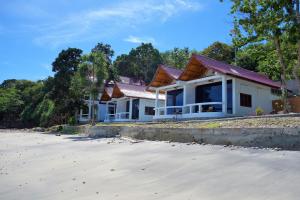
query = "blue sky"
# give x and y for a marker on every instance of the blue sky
(33, 32)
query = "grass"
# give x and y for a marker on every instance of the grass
(210, 125)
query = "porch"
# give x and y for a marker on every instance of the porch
(122, 110)
(206, 97)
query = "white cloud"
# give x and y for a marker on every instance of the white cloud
(139, 40)
(110, 20)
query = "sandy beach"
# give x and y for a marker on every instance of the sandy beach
(41, 166)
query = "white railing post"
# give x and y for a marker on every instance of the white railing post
(224, 94)
(130, 109)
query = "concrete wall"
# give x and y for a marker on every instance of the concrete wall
(284, 138)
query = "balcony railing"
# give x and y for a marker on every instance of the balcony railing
(189, 109)
(122, 115)
(117, 116)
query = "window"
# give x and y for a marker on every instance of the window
(149, 111)
(276, 92)
(245, 100)
(213, 93)
(174, 98)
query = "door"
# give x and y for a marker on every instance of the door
(135, 108)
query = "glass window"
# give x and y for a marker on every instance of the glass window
(245, 100)
(149, 110)
(175, 98)
(213, 93)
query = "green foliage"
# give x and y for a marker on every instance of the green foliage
(72, 121)
(93, 71)
(259, 111)
(141, 62)
(45, 112)
(220, 51)
(176, 57)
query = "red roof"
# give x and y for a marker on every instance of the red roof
(137, 91)
(224, 68)
(171, 71)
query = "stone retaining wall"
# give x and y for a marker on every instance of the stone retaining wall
(284, 138)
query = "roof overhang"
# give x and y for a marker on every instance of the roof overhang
(117, 93)
(193, 70)
(161, 78)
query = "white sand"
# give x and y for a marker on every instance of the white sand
(35, 166)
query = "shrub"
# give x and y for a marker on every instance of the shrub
(72, 121)
(259, 111)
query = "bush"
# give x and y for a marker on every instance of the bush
(72, 121)
(259, 111)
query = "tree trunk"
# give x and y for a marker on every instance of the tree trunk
(283, 74)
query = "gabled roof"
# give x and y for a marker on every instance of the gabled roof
(199, 63)
(106, 96)
(136, 91)
(165, 75)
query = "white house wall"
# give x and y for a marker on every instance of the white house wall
(190, 94)
(121, 106)
(148, 103)
(101, 111)
(261, 97)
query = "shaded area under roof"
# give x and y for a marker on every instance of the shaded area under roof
(106, 96)
(165, 75)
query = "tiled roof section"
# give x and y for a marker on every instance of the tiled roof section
(235, 71)
(137, 91)
(132, 81)
(173, 72)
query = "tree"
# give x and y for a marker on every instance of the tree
(109, 53)
(176, 57)
(220, 51)
(65, 66)
(92, 72)
(273, 21)
(140, 63)
(10, 106)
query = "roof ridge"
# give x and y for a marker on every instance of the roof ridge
(231, 65)
(171, 67)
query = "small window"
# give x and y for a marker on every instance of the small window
(276, 92)
(246, 100)
(149, 111)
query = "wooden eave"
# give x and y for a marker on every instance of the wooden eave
(161, 78)
(105, 96)
(117, 92)
(193, 70)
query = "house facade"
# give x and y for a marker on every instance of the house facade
(130, 102)
(85, 114)
(208, 88)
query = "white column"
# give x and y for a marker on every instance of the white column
(156, 101)
(234, 104)
(130, 108)
(107, 109)
(184, 94)
(224, 94)
(166, 103)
